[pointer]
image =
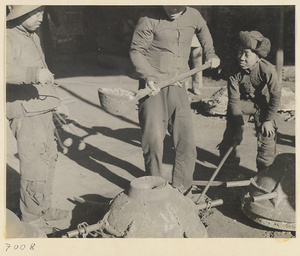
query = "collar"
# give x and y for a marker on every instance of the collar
(181, 13)
(23, 31)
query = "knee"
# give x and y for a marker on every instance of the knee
(33, 190)
(152, 145)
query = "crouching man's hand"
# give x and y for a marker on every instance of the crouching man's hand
(267, 129)
(63, 110)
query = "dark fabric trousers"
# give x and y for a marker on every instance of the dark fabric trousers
(168, 111)
(266, 146)
(37, 151)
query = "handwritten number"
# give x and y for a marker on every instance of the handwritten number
(8, 246)
(20, 247)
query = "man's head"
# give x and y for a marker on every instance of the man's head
(30, 17)
(253, 46)
(174, 11)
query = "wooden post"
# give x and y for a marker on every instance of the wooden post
(280, 53)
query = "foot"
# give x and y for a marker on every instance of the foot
(42, 226)
(55, 214)
(196, 88)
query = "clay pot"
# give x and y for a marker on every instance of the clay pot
(152, 208)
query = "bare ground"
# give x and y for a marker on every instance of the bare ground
(113, 156)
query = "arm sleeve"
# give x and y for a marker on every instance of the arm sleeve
(275, 94)
(234, 102)
(205, 38)
(142, 38)
(17, 74)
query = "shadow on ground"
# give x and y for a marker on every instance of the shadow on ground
(91, 157)
(12, 190)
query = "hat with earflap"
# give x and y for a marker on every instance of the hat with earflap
(17, 11)
(255, 41)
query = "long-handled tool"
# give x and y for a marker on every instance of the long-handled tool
(216, 172)
(119, 102)
(146, 91)
(227, 184)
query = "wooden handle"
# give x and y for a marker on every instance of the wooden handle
(240, 183)
(204, 183)
(216, 172)
(146, 91)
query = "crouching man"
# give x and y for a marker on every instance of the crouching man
(253, 90)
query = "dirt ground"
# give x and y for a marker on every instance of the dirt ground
(113, 156)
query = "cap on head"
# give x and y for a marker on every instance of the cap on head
(18, 11)
(255, 41)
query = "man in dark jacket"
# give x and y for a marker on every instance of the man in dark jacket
(255, 90)
(31, 100)
(160, 50)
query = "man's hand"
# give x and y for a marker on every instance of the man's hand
(178, 83)
(63, 109)
(153, 87)
(214, 62)
(267, 129)
(44, 76)
(238, 137)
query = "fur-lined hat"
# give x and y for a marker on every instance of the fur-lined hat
(255, 41)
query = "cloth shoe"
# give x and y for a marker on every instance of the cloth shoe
(55, 214)
(42, 226)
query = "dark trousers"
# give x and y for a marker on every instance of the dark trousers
(266, 146)
(168, 111)
(37, 151)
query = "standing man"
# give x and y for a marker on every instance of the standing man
(31, 100)
(255, 90)
(160, 50)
